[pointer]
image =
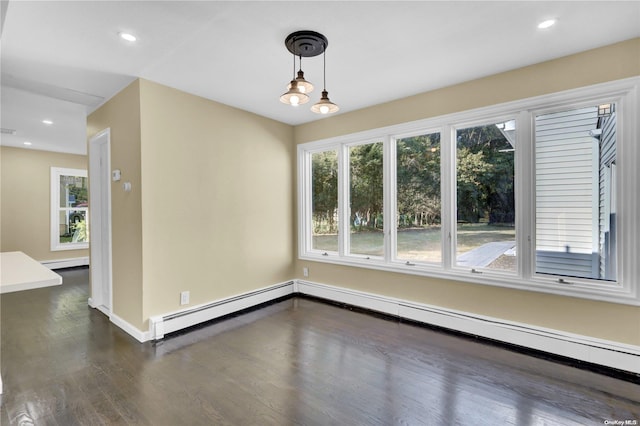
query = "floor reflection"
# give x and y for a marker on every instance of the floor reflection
(297, 361)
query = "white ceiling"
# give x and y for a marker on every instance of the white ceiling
(62, 59)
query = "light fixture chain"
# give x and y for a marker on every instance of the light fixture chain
(294, 67)
(324, 68)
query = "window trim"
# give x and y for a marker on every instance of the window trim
(344, 169)
(391, 209)
(452, 195)
(625, 290)
(619, 99)
(54, 213)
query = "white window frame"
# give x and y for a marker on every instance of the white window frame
(345, 186)
(56, 245)
(452, 191)
(585, 283)
(626, 289)
(391, 192)
(307, 205)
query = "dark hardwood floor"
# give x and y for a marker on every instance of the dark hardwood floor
(297, 361)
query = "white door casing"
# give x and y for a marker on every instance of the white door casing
(100, 220)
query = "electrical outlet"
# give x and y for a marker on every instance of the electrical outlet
(305, 272)
(184, 298)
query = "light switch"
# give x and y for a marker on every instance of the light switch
(115, 175)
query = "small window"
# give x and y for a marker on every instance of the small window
(69, 209)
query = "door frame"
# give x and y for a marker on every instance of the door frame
(100, 244)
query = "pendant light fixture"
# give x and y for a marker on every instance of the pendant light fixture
(324, 105)
(303, 85)
(296, 94)
(307, 44)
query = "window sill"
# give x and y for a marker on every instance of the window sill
(613, 292)
(71, 246)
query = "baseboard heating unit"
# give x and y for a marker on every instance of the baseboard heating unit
(614, 355)
(165, 324)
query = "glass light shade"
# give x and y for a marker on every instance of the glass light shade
(294, 96)
(303, 85)
(324, 105)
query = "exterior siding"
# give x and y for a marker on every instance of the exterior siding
(566, 195)
(606, 219)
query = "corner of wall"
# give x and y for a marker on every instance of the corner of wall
(122, 115)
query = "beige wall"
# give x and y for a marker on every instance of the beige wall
(613, 62)
(212, 207)
(25, 212)
(122, 115)
(210, 211)
(216, 199)
(602, 320)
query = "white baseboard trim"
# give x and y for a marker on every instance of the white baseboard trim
(602, 352)
(584, 348)
(140, 336)
(163, 324)
(101, 308)
(66, 263)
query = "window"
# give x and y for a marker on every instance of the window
(366, 237)
(575, 218)
(324, 193)
(539, 194)
(485, 197)
(419, 204)
(69, 209)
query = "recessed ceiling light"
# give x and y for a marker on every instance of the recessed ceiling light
(47, 122)
(546, 24)
(128, 37)
(27, 143)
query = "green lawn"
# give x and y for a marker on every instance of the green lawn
(423, 244)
